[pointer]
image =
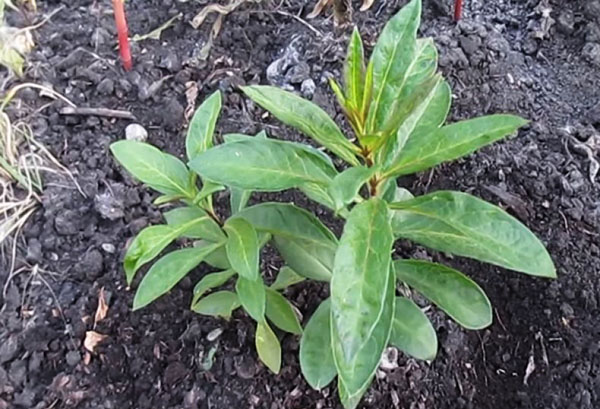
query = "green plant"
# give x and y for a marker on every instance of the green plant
(396, 106)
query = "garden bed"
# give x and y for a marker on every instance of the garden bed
(539, 59)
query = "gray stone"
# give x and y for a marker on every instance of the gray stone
(308, 88)
(92, 264)
(106, 86)
(67, 223)
(73, 358)
(591, 52)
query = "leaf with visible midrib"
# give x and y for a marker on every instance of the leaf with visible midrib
(242, 248)
(452, 142)
(204, 226)
(354, 71)
(219, 304)
(262, 165)
(167, 272)
(252, 297)
(391, 58)
(306, 117)
(162, 172)
(316, 357)
(281, 313)
(362, 295)
(202, 126)
(461, 224)
(459, 296)
(209, 282)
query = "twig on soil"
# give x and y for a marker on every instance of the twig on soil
(105, 112)
(301, 21)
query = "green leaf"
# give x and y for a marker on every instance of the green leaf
(204, 227)
(339, 94)
(217, 258)
(319, 193)
(262, 164)
(354, 71)
(426, 98)
(267, 347)
(242, 248)
(456, 294)
(252, 297)
(392, 57)
(281, 313)
(434, 115)
(210, 281)
(219, 304)
(202, 126)
(419, 80)
(286, 278)
(166, 199)
(412, 333)
(310, 259)
(464, 225)
(346, 186)
(362, 296)
(208, 189)
(287, 220)
(167, 272)
(393, 193)
(152, 240)
(162, 172)
(316, 357)
(238, 199)
(452, 142)
(306, 117)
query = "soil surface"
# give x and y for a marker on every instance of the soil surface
(537, 58)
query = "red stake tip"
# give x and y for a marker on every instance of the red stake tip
(122, 32)
(457, 9)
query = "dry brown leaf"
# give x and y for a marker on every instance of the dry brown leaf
(217, 8)
(319, 8)
(191, 93)
(92, 339)
(102, 309)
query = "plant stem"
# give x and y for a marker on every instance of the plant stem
(121, 22)
(457, 9)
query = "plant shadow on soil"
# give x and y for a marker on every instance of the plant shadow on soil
(537, 58)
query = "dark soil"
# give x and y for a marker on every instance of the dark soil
(537, 58)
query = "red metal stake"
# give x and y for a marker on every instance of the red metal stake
(457, 9)
(123, 34)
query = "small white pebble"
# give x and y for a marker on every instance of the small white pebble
(136, 132)
(214, 334)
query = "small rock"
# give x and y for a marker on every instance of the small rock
(108, 206)
(172, 113)
(66, 223)
(245, 367)
(73, 358)
(592, 34)
(34, 251)
(108, 247)
(174, 373)
(214, 334)
(136, 132)
(106, 86)
(92, 264)
(308, 88)
(591, 52)
(169, 60)
(566, 21)
(192, 398)
(389, 359)
(470, 44)
(8, 349)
